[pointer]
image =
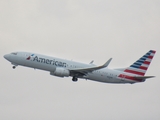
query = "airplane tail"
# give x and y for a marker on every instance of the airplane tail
(140, 67)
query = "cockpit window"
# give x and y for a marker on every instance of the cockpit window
(14, 53)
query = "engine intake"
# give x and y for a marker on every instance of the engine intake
(60, 72)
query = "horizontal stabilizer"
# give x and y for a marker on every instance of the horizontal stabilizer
(143, 77)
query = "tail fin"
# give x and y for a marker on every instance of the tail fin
(140, 66)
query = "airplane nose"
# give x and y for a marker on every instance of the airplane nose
(6, 56)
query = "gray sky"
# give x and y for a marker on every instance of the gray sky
(81, 30)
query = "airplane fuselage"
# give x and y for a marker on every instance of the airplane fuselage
(65, 68)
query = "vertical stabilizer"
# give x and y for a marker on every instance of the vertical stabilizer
(140, 67)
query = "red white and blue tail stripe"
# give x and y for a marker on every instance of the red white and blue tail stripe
(137, 70)
(140, 67)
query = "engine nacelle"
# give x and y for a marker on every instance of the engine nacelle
(60, 72)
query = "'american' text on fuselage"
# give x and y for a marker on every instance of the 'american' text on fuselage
(51, 62)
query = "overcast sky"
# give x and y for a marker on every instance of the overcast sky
(81, 30)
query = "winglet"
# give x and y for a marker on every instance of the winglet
(107, 63)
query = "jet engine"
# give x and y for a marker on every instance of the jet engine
(60, 72)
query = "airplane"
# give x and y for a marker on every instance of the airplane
(135, 73)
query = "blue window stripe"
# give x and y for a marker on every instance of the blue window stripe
(140, 61)
(142, 58)
(137, 64)
(148, 53)
(134, 66)
(146, 56)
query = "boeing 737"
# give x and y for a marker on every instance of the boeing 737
(135, 73)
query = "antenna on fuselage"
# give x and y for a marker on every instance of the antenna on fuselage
(91, 62)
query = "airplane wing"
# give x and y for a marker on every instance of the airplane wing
(90, 69)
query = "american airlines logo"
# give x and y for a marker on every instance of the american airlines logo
(30, 57)
(47, 61)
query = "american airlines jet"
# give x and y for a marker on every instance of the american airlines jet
(135, 73)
